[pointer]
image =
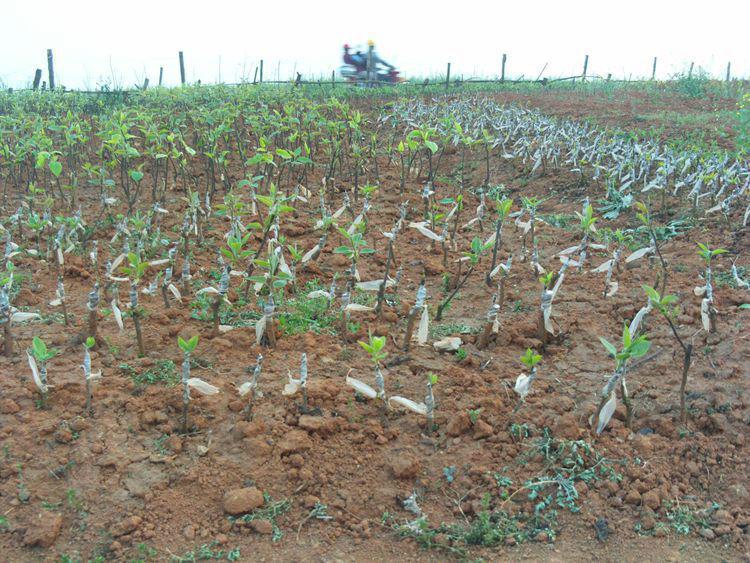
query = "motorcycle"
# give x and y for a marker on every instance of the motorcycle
(351, 74)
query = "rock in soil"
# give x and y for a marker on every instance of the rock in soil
(242, 501)
(43, 531)
(405, 467)
(125, 526)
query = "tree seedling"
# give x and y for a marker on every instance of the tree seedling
(667, 307)
(632, 347)
(88, 375)
(530, 359)
(38, 357)
(708, 311)
(187, 347)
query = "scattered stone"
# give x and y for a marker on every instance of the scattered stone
(142, 477)
(245, 429)
(43, 531)
(633, 497)
(242, 501)
(63, 435)
(482, 430)
(189, 532)
(648, 522)
(707, 533)
(448, 344)
(643, 444)
(295, 441)
(125, 526)
(458, 424)
(174, 443)
(154, 417)
(566, 427)
(9, 406)
(264, 527)
(651, 499)
(320, 424)
(723, 517)
(405, 467)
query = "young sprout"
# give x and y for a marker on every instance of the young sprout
(708, 311)
(389, 260)
(644, 216)
(530, 205)
(613, 265)
(503, 207)
(549, 292)
(419, 309)
(135, 270)
(491, 324)
(60, 299)
(88, 375)
(92, 305)
(587, 228)
(472, 256)
(251, 387)
(667, 307)
(429, 401)
(295, 385)
(375, 347)
(38, 357)
(187, 347)
(632, 347)
(523, 382)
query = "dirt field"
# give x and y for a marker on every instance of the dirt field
(491, 479)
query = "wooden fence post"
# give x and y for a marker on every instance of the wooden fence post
(145, 83)
(50, 70)
(690, 72)
(502, 70)
(333, 78)
(161, 74)
(653, 70)
(261, 71)
(182, 68)
(37, 78)
(585, 68)
(729, 71)
(448, 76)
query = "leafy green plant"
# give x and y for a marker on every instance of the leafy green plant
(38, 357)
(632, 347)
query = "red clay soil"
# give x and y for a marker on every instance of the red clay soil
(124, 482)
(670, 116)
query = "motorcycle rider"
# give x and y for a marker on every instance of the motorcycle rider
(357, 60)
(376, 60)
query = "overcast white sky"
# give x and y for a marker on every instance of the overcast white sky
(95, 42)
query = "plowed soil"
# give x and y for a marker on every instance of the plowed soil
(124, 484)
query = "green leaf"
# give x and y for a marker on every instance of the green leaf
(745, 306)
(193, 342)
(55, 167)
(639, 347)
(652, 293)
(432, 146)
(39, 348)
(608, 346)
(136, 175)
(90, 342)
